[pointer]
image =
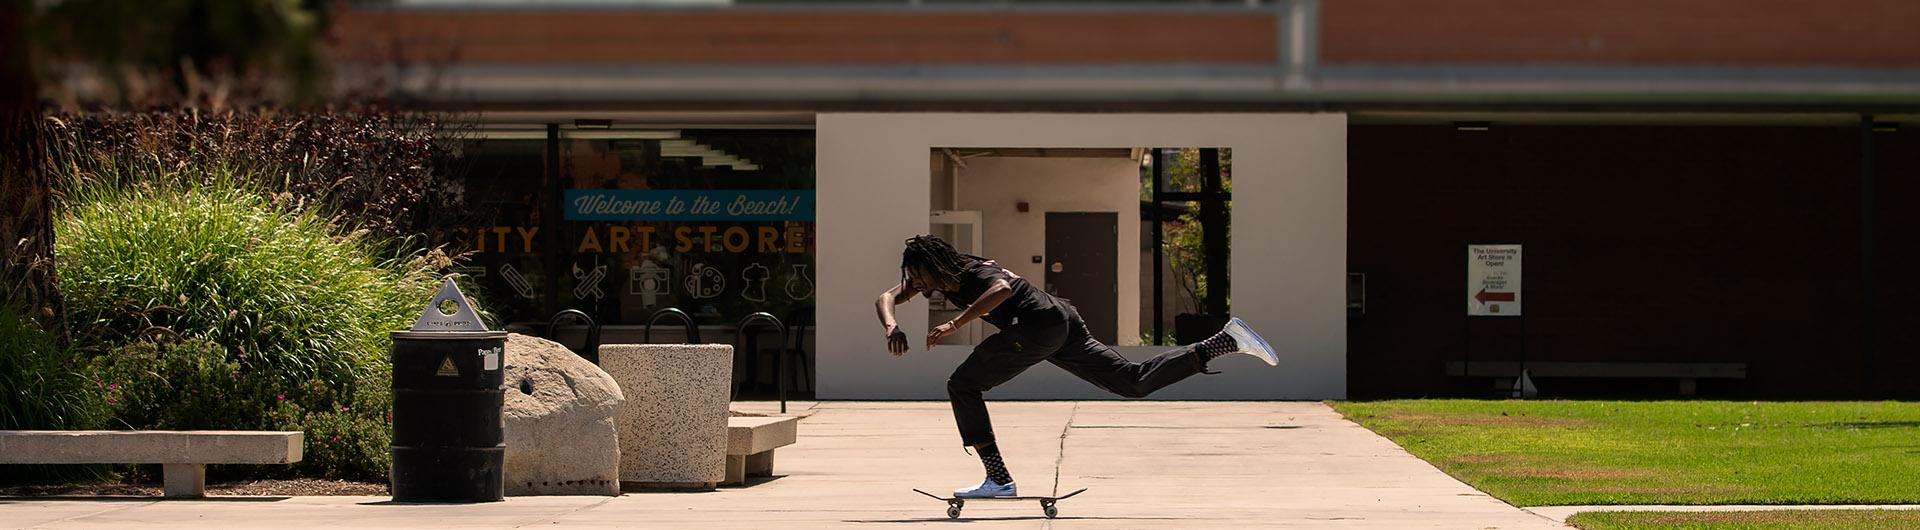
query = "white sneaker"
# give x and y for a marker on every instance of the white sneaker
(987, 488)
(1250, 343)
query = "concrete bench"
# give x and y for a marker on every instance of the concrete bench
(750, 444)
(1687, 373)
(183, 455)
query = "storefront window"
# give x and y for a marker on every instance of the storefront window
(717, 223)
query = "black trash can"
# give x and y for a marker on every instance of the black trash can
(448, 431)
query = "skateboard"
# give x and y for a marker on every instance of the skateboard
(1046, 503)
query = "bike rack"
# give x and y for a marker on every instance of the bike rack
(797, 333)
(693, 331)
(744, 339)
(592, 354)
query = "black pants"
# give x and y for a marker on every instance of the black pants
(1064, 341)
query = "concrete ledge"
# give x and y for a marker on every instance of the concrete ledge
(753, 434)
(750, 444)
(1602, 369)
(183, 455)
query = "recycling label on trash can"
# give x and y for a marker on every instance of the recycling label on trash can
(490, 359)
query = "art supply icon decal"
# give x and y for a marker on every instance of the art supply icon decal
(756, 276)
(649, 281)
(589, 282)
(799, 286)
(705, 282)
(517, 281)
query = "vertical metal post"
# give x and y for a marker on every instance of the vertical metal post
(1296, 50)
(1213, 232)
(1159, 246)
(1518, 381)
(1867, 345)
(550, 220)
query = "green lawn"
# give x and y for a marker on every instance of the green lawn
(1541, 453)
(1769, 520)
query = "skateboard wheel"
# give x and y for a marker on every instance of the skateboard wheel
(953, 512)
(1050, 511)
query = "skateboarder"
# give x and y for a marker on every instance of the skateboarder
(1034, 326)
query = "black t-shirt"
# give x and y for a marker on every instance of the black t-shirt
(1027, 303)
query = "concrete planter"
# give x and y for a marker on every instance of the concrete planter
(673, 425)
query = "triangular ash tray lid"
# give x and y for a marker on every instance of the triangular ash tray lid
(461, 319)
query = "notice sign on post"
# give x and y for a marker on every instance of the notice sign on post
(1493, 280)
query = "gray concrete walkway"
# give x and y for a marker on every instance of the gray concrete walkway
(1148, 464)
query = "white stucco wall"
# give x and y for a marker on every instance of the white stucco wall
(1289, 216)
(996, 185)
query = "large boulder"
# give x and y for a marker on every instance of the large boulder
(559, 414)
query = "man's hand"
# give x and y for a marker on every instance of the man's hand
(940, 332)
(896, 341)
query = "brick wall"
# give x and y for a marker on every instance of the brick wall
(754, 37)
(1851, 33)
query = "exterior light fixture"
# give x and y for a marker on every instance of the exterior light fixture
(1472, 125)
(592, 124)
(1886, 126)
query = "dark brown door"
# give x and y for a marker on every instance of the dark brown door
(1081, 261)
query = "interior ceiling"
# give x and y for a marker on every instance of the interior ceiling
(658, 119)
(805, 119)
(1033, 152)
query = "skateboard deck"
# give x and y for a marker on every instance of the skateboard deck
(954, 504)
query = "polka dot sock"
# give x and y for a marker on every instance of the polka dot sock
(1219, 344)
(996, 468)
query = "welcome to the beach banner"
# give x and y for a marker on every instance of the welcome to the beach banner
(688, 205)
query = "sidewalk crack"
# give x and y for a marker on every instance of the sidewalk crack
(1062, 454)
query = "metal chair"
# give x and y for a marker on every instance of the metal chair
(798, 336)
(592, 353)
(693, 331)
(745, 341)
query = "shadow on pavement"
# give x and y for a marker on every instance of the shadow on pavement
(421, 503)
(133, 498)
(1015, 518)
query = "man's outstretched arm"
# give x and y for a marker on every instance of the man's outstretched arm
(896, 339)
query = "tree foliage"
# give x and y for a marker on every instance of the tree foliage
(1186, 251)
(169, 52)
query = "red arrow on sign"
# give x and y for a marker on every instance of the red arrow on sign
(1485, 297)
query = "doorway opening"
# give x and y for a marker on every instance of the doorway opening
(1136, 237)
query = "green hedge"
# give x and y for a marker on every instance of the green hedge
(43, 387)
(207, 305)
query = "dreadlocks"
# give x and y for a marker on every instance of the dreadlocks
(931, 255)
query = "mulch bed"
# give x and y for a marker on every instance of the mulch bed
(289, 487)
